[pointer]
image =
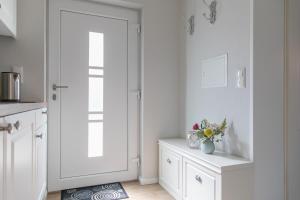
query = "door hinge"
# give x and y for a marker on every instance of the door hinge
(139, 94)
(139, 28)
(137, 161)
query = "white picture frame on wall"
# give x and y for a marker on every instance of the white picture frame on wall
(214, 72)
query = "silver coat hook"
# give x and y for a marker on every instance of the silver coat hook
(213, 11)
(191, 25)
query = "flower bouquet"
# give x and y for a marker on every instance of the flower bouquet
(209, 133)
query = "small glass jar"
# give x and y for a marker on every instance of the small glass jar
(192, 140)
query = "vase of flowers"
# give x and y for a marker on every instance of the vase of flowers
(209, 134)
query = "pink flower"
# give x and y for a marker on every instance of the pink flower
(196, 127)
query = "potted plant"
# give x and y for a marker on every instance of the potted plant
(209, 134)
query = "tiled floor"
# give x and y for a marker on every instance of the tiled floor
(135, 192)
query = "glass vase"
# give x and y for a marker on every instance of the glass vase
(192, 140)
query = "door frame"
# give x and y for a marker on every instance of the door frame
(55, 182)
(285, 101)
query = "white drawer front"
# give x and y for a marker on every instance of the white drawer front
(21, 121)
(170, 171)
(197, 183)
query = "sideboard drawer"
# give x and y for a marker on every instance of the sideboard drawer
(197, 183)
(170, 171)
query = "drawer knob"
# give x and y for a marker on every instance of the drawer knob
(199, 179)
(17, 125)
(169, 161)
(7, 128)
(39, 136)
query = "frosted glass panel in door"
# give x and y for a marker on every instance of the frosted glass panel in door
(94, 107)
(96, 49)
(95, 94)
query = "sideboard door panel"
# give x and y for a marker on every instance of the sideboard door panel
(197, 183)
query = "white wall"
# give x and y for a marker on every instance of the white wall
(230, 34)
(268, 95)
(253, 34)
(160, 80)
(28, 49)
(293, 89)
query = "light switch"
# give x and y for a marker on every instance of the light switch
(241, 78)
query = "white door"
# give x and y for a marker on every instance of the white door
(93, 87)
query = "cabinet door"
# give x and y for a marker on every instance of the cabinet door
(41, 162)
(197, 183)
(19, 157)
(1, 162)
(170, 171)
(8, 17)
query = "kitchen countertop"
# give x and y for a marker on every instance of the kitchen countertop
(14, 108)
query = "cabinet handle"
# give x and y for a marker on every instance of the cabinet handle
(169, 161)
(199, 179)
(17, 125)
(7, 128)
(39, 136)
(44, 112)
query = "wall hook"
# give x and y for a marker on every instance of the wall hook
(213, 11)
(191, 25)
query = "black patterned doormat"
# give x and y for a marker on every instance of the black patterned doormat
(112, 191)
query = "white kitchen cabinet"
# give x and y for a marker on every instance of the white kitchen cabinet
(8, 17)
(23, 157)
(41, 162)
(19, 157)
(197, 176)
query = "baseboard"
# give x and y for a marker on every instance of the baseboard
(147, 181)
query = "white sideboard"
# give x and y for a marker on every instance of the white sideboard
(8, 17)
(23, 156)
(188, 174)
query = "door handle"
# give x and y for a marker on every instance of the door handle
(55, 87)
